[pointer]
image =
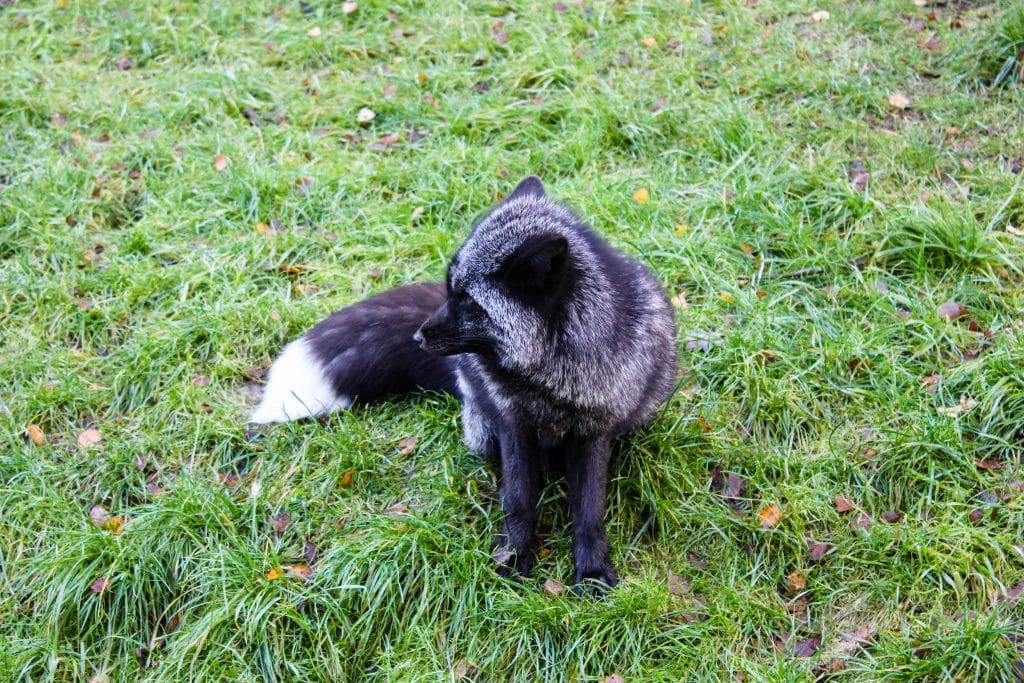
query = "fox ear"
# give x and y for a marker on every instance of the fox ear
(530, 186)
(538, 263)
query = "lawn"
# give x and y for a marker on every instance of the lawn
(831, 193)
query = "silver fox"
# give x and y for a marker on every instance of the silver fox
(553, 341)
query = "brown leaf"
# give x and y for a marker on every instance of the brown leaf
(677, 585)
(114, 525)
(201, 381)
(90, 437)
(346, 478)
(281, 522)
(818, 550)
(408, 445)
(988, 464)
(35, 433)
(769, 516)
(796, 581)
(396, 510)
(807, 648)
(499, 33)
(99, 515)
(899, 100)
(299, 571)
(310, 552)
(99, 585)
(274, 574)
(976, 515)
(553, 588)
(463, 669)
(843, 504)
(648, 42)
(220, 162)
(891, 516)
(641, 195)
(124, 64)
(734, 486)
(862, 520)
(950, 310)
(962, 407)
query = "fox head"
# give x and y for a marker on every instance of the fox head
(509, 284)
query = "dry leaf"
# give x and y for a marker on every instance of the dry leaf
(408, 445)
(281, 522)
(346, 478)
(397, 509)
(99, 515)
(891, 516)
(807, 648)
(349, 7)
(950, 310)
(90, 437)
(818, 551)
(726, 296)
(365, 115)
(641, 195)
(843, 504)
(769, 516)
(299, 571)
(313, 32)
(820, 16)
(862, 520)
(201, 381)
(614, 678)
(114, 525)
(220, 162)
(962, 407)
(796, 582)
(679, 301)
(677, 585)
(99, 585)
(36, 434)
(648, 42)
(899, 100)
(552, 587)
(1014, 231)
(274, 574)
(417, 212)
(988, 464)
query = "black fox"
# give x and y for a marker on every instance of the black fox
(553, 341)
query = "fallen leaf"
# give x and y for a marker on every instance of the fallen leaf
(677, 585)
(641, 195)
(976, 515)
(310, 552)
(220, 162)
(499, 33)
(346, 478)
(899, 100)
(862, 520)
(397, 509)
(281, 522)
(35, 433)
(988, 464)
(950, 310)
(614, 678)
(962, 407)
(408, 445)
(843, 504)
(679, 301)
(463, 669)
(90, 437)
(725, 296)
(891, 516)
(365, 115)
(99, 515)
(201, 381)
(114, 525)
(124, 64)
(349, 7)
(299, 571)
(796, 581)
(552, 587)
(648, 42)
(818, 551)
(417, 212)
(313, 32)
(274, 574)
(769, 516)
(820, 16)
(99, 585)
(807, 648)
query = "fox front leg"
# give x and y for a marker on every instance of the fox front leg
(586, 472)
(519, 493)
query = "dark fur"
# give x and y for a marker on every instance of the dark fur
(555, 343)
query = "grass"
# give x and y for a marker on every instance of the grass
(814, 227)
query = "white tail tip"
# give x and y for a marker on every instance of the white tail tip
(297, 387)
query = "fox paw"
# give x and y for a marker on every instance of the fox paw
(595, 582)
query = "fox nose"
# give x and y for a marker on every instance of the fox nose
(418, 337)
